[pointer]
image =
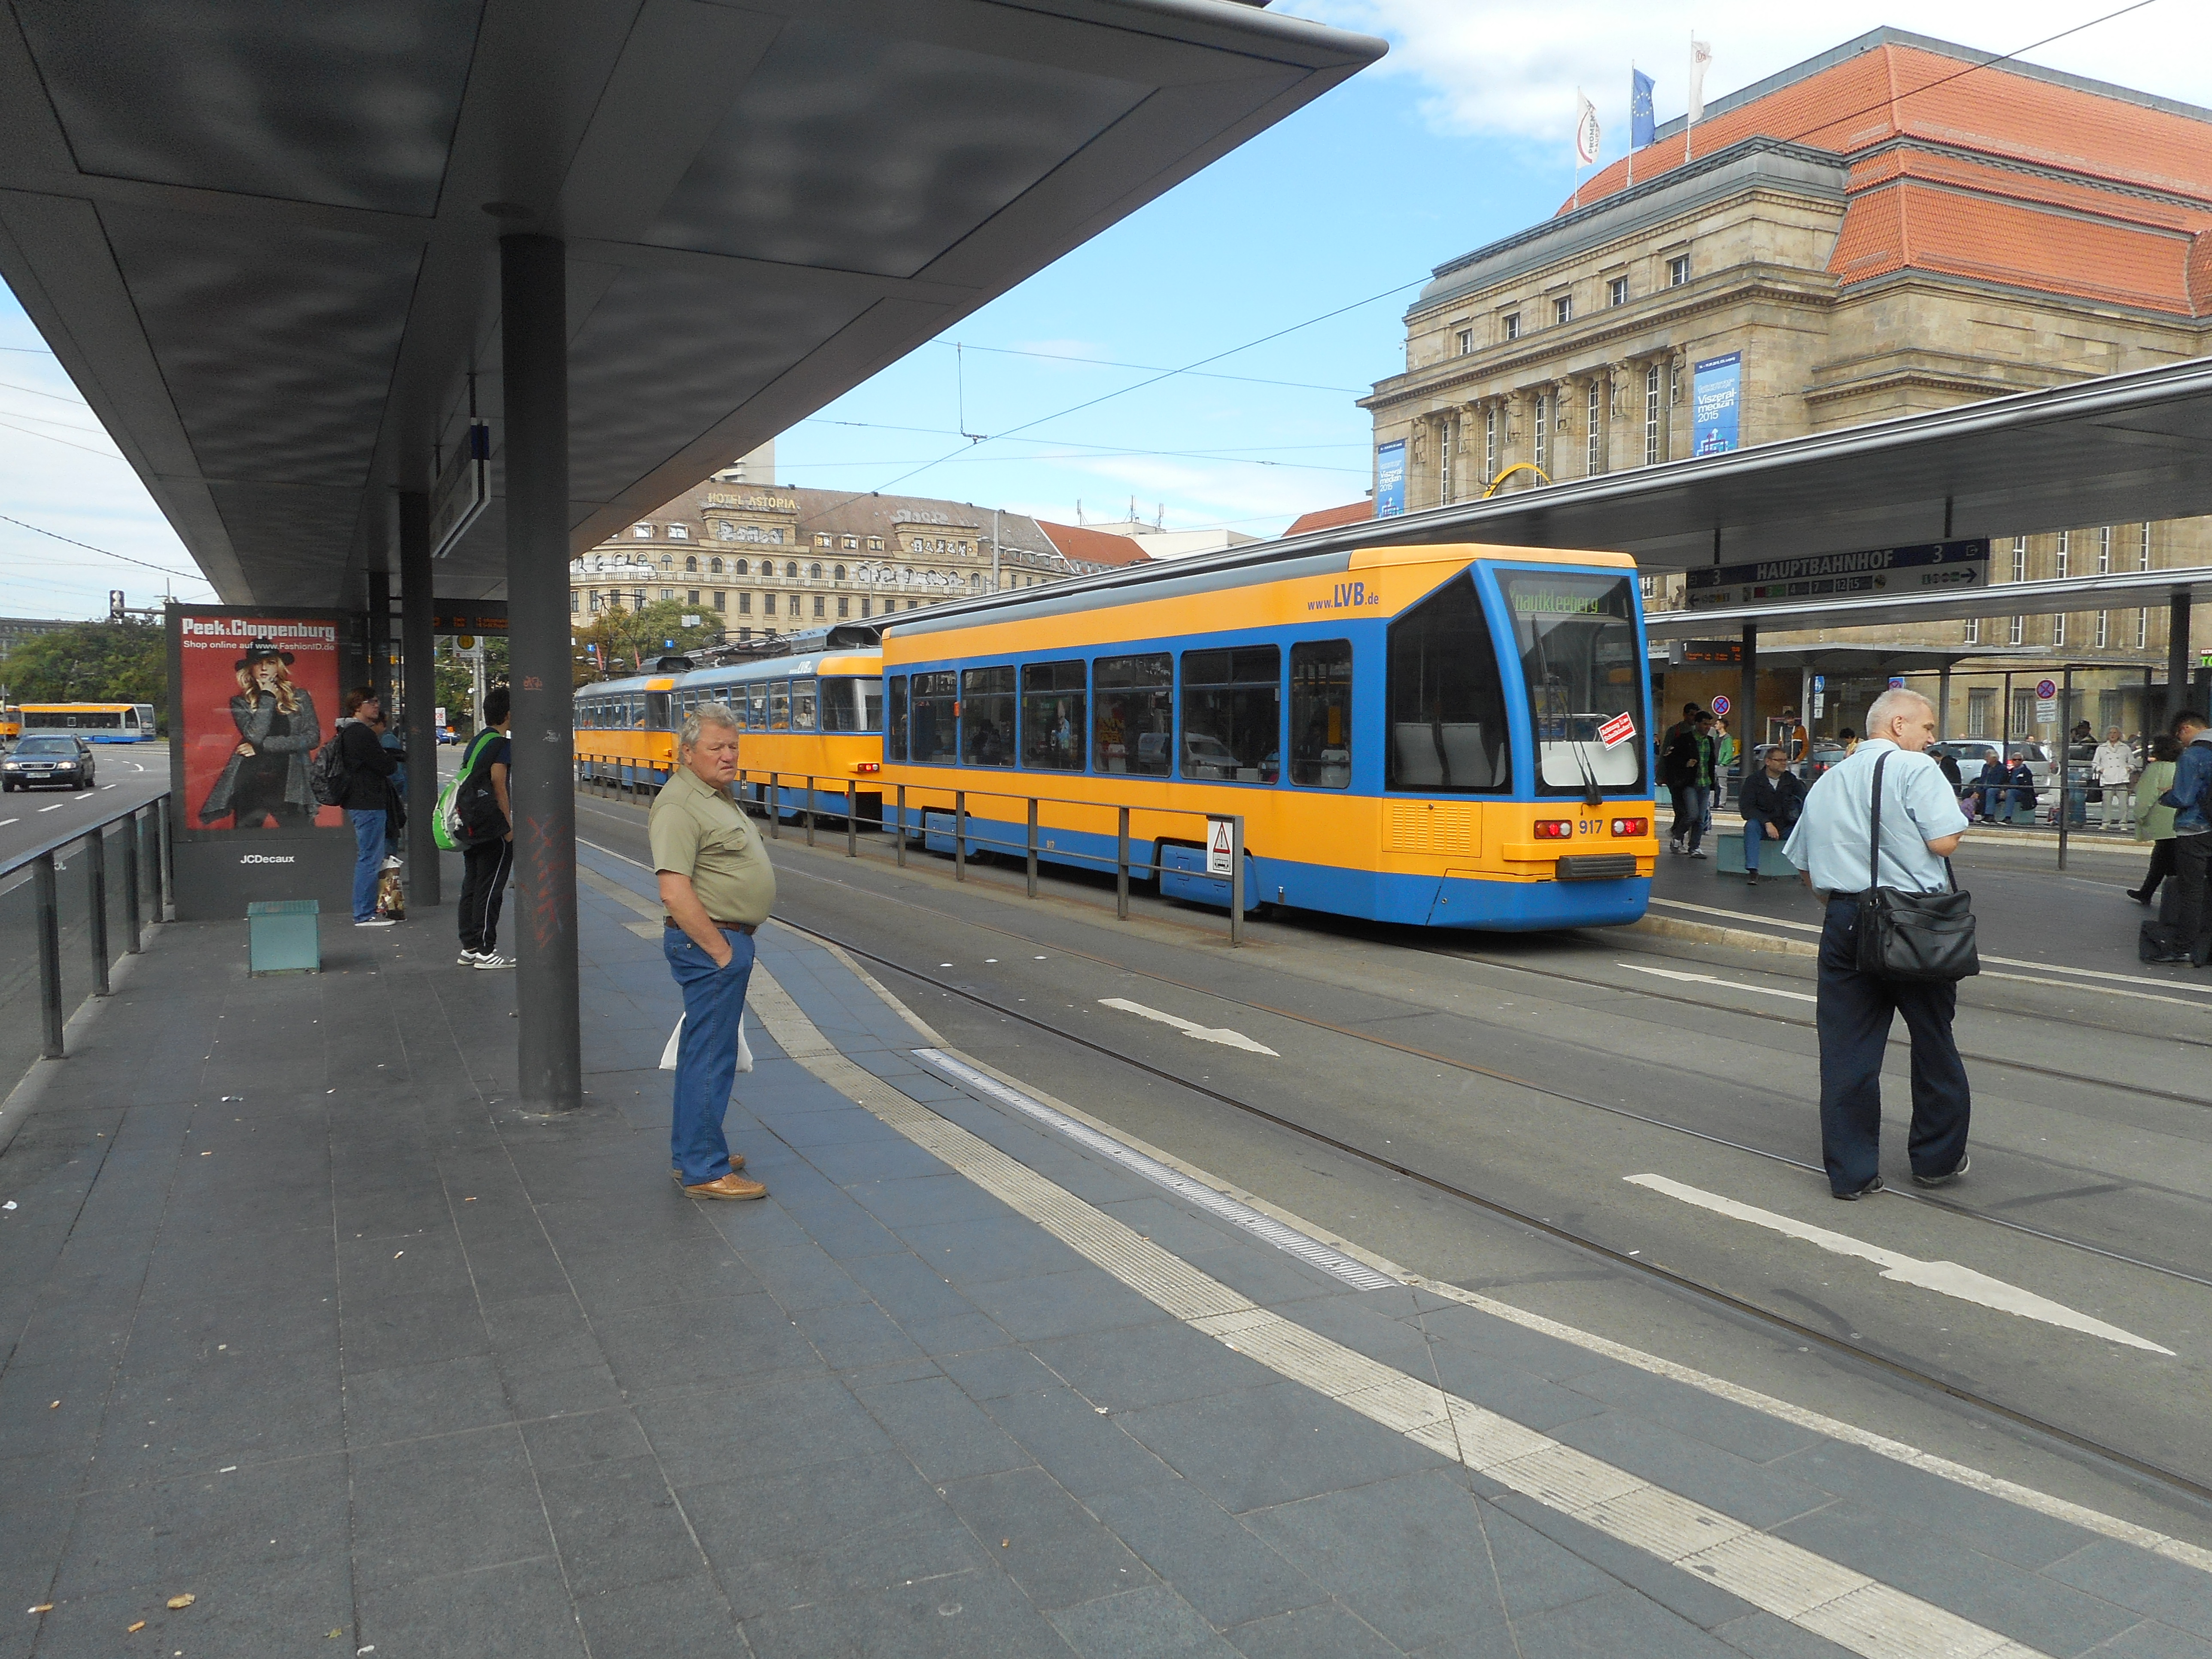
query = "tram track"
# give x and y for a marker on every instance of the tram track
(1904, 1369)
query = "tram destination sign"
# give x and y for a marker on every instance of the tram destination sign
(1877, 573)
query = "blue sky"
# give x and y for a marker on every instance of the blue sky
(1461, 135)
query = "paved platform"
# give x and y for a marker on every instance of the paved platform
(318, 1329)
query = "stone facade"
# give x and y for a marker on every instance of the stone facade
(1568, 350)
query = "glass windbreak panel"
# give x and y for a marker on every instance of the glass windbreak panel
(986, 716)
(1135, 716)
(1320, 715)
(802, 705)
(779, 705)
(23, 1033)
(116, 838)
(1447, 701)
(1575, 631)
(936, 719)
(756, 705)
(895, 723)
(1052, 715)
(1232, 714)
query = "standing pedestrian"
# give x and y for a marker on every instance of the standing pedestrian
(2154, 824)
(1921, 827)
(489, 856)
(1725, 755)
(2188, 937)
(1772, 802)
(2114, 766)
(1685, 766)
(367, 797)
(717, 887)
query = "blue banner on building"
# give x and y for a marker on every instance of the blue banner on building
(1390, 479)
(1717, 405)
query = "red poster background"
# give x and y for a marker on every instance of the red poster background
(210, 648)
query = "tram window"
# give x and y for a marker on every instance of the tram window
(850, 705)
(1135, 713)
(872, 704)
(1448, 731)
(895, 724)
(756, 705)
(986, 716)
(1052, 719)
(936, 719)
(779, 705)
(802, 705)
(1320, 715)
(656, 710)
(1577, 635)
(1232, 714)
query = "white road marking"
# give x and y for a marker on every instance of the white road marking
(1857, 1613)
(1710, 979)
(4, 823)
(56, 807)
(2002, 961)
(1944, 1278)
(111, 785)
(1221, 1034)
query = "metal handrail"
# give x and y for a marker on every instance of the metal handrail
(846, 786)
(46, 871)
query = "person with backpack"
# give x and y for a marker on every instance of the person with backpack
(364, 768)
(486, 816)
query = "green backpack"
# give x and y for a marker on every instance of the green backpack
(449, 826)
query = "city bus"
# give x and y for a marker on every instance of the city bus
(95, 722)
(1438, 736)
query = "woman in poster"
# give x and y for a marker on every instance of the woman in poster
(266, 780)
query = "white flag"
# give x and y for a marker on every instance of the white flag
(1701, 59)
(1586, 131)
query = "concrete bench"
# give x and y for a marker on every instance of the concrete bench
(1728, 857)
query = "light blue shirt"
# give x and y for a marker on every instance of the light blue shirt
(1917, 806)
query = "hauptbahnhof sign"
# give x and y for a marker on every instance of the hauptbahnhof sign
(1882, 572)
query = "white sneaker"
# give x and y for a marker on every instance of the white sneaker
(492, 959)
(1699, 852)
(377, 921)
(394, 862)
(1675, 845)
(467, 959)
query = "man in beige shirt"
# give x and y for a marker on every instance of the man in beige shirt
(717, 887)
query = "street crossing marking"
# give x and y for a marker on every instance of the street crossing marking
(1859, 1614)
(1710, 979)
(1944, 1278)
(1221, 1034)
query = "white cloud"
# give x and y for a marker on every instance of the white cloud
(1509, 68)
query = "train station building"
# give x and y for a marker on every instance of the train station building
(1867, 236)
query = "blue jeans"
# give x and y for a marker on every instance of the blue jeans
(1854, 1015)
(1754, 833)
(368, 860)
(707, 1054)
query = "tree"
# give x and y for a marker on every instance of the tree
(125, 661)
(627, 640)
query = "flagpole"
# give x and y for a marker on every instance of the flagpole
(1686, 115)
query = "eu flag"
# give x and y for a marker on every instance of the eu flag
(1641, 124)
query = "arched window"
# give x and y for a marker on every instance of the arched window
(839, 571)
(713, 567)
(740, 567)
(791, 569)
(975, 581)
(691, 563)
(814, 570)
(668, 562)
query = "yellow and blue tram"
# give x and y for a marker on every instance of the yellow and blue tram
(812, 725)
(1448, 736)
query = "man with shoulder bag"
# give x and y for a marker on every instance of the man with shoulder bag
(486, 820)
(1876, 838)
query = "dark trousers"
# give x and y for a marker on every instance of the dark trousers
(1855, 1013)
(483, 890)
(1692, 805)
(2191, 897)
(707, 1052)
(2161, 866)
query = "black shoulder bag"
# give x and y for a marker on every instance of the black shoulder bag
(1912, 936)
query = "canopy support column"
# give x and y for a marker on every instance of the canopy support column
(418, 670)
(534, 377)
(2177, 657)
(1747, 706)
(380, 638)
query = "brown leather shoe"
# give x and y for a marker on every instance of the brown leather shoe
(737, 1161)
(730, 1186)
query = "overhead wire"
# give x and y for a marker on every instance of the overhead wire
(37, 530)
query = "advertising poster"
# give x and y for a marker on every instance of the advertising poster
(257, 695)
(1717, 399)
(1390, 479)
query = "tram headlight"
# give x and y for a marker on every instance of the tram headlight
(1555, 830)
(1631, 826)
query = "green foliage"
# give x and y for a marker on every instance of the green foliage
(123, 661)
(626, 638)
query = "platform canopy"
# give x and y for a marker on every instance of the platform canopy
(261, 235)
(2127, 590)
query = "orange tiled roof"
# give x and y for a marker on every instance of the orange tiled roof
(1094, 546)
(1328, 518)
(2089, 232)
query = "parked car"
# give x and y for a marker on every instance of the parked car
(1971, 752)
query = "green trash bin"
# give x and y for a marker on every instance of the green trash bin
(283, 937)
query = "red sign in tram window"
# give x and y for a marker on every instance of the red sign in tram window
(1617, 730)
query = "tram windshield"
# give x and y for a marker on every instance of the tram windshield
(1575, 631)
